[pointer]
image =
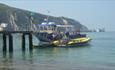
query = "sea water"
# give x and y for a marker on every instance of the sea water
(98, 55)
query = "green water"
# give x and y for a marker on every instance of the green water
(99, 55)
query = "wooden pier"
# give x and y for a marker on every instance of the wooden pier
(8, 35)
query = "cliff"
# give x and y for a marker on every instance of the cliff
(18, 19)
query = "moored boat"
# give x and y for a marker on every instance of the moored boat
(72, 42)
(51, 34)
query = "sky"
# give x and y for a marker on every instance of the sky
(92, 13)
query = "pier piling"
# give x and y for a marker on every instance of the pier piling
(10, 43)
(23, 42)
(4, 43)
(30, 42)
(9, 34)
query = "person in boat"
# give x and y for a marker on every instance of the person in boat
(65, 38)
(67, 34)
(50, 37)
(54, 36)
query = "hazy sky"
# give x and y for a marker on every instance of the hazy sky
(93, 14)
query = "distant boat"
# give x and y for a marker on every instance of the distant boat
(100, 30)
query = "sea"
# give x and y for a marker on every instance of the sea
(98, 55)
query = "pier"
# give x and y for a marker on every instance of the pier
(7, 35)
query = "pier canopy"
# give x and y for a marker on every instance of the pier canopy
(3, 25)
(1, 29)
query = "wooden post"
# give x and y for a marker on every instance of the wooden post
(30, 42)
(4, 43)
(10, 43)
(23, 42)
